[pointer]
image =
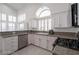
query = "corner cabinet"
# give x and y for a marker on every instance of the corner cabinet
(50, 42)
(30, 38)
(62, 19)
(42, 41)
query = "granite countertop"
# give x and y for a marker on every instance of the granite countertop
(10, 34)
(68, 35)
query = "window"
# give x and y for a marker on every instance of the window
(14, 19)
(0, 21)
(3, 26)
(45, 21)
(21, 18)
(11, 26)
(3, 17)
(11, 23)
(21, 21)
(10, 18)
(3, 22)
(21, 26)
(43, 12)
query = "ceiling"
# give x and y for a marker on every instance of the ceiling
(16, 6)
(19, 6)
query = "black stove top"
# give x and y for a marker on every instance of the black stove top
(68, 43)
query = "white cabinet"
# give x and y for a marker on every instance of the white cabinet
(0, 45)
(40, 40)
(50, 42)
(30, 38)
(36, 40)
(10, 45)
(62, 20)
(43, 41)
(59, 7)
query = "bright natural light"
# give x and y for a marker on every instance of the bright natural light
(3, 17)
(42, 12)
(45, 23)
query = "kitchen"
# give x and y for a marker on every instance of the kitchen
(39, 29)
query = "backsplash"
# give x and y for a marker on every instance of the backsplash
(67, 29)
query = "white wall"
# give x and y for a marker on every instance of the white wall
(7, 9)
(31, 9)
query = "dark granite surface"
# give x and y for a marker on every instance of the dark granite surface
(69, 35)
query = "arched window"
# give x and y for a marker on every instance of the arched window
(44, 21)
(43, 12)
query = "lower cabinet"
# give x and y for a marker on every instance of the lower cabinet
(30, 38)
(50, 42)
(42, 41)
(10, 45)
(0, 45)
(36, 40)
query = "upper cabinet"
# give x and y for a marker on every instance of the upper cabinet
(62, 19)
(61, 15)
(60, 7)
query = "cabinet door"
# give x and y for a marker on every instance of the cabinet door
(43, 42)
(10, 45)
(62, 20)
(0, 45)
(50, 42)
(14, 43)
(30, 38)
(7, 45)
(36, 40)
(56, 20)
(65, 20)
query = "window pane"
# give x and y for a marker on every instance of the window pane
(14, 19)
(10, 18)
(21, 26)
(40, 24)
(45, 13)
(40, 10)
(0, 17)
(11, 26)
(0, 27)
(49, 24)
(21, 18)
(3, 26)
(46, 25)
(3, 17)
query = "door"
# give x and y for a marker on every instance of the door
(22, 41)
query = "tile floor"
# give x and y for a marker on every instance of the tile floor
(32, 50)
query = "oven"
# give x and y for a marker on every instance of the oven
(63, 46)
